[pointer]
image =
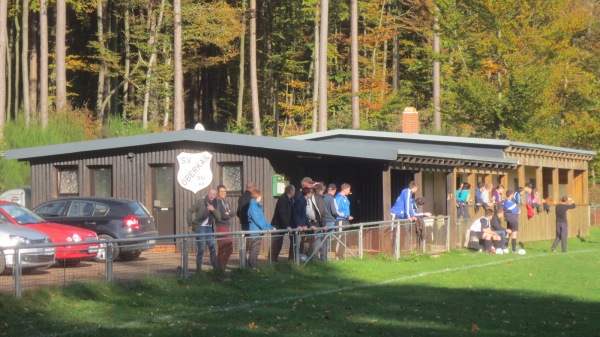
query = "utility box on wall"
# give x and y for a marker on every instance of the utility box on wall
(278, 185)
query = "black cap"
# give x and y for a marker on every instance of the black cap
(332, 187)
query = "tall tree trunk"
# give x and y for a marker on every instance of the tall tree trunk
(44, 63)
(253, 71)
(323, 75)
(395, 60)
(25, 61)
(354, 57)
(17, 72)
(384, 68)
(178, 103)
(150, 64)
(9, 67)
(3, 50)
(114, 46)
(100, 6)
(242, 80)
(33, 67)
(127, 48)
(61, 55)
(437, 115)
(316, 79)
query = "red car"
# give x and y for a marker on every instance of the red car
(65, 255)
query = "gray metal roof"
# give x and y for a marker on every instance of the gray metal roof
(397, 136)
(425, 154)
(211, 137)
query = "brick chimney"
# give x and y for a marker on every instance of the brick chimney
(410, 120)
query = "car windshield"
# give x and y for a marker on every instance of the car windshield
(21, 214)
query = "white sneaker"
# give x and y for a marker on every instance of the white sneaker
(505, 250)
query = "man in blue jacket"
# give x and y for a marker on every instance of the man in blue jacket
(343, 218)
(404, 208)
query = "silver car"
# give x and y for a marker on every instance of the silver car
(12, 236)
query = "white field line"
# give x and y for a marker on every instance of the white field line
(258, 303)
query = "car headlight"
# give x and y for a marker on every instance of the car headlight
(74, 238)
(19, 240)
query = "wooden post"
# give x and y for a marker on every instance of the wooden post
(451, 207)
(539, 181)
(386, 180)
(570, 190)
(419, 181)
(585, 188)
(555, 192)
(521, 175)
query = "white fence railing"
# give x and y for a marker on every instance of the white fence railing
(176, 254)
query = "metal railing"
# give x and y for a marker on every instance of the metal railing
(175, 255)
(594, 215)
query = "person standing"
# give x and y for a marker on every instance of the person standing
(223, 215)
(562, 227)
(243, 203)
(511, 214)
(300, 211)
(328, 218)
(321, 208)
(200, 217)
(487, 197)
(343, 219)
(256, 222)
(462, 201)
(283, 218)
(404, 208)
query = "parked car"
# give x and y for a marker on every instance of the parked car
(12, 236)
(110, 218)
(70, 255)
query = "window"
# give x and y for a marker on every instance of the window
(101, 184)
(86, 209)
(231, 176)
(51, 209)
(68, 183)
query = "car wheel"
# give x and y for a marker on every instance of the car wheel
(2, 262)
(102, 251)
(128, 256)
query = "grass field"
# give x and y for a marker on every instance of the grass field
(454, 294)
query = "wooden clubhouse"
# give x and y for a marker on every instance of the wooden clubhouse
(159, 169)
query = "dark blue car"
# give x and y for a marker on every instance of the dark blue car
(110, 218)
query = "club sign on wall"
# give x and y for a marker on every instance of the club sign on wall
(194, 170)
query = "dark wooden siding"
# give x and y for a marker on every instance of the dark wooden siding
(132, 179)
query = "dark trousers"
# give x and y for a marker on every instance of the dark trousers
(276, 245)
(562, 232)
(225, 246)
(254, 243)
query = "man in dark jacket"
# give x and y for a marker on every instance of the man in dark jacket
(243, 203)
(562, 227)
(324, 217)
(283, 218)
(305, 216)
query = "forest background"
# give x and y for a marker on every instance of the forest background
(73, 70)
